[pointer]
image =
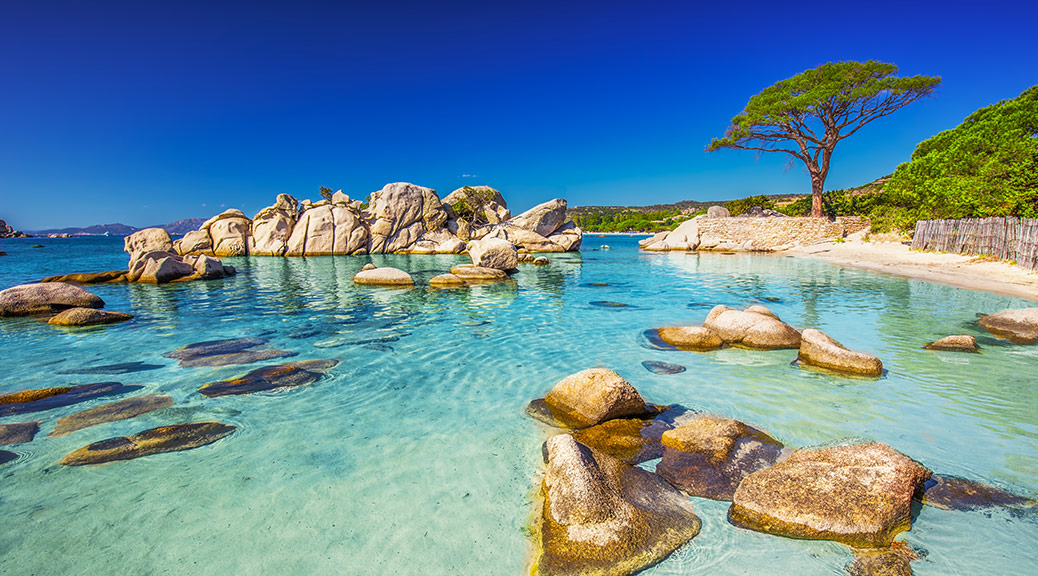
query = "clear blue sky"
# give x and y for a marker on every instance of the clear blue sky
(146, 112)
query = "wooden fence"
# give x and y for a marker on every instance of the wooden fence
(1004, 238)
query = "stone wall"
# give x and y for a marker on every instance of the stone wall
(760, 234)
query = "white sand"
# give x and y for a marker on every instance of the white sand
(952, 269)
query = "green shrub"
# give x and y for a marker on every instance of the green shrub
(736, 207)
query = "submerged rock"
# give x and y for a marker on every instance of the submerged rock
(18, 432)
(603, 517)
(271, 377)
(593, 396)
(632, 440)
(1019, 326)
(45, 298)
(120, 410)
(954, 493)
(860, 495)
(493, 253)
(662, 367)
(87, 317)
(154, 441)
(756, 327)
(818, 349)
(48, 398)
(384, 277)
(709, 456)
(691, 338)
(225, 352)
(7, 456)
(957, 343)
(89, 277)
(121, 368)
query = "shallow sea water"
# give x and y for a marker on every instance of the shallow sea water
(415, 455)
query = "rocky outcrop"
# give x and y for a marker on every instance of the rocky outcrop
(47, 398)
(543, 219)
(87, 317)
(709, 456)
(165, 267)
(471, 207)
(1019, 326)
(400, 213)
(392, 277)
(229, 233)
(271, 377)
(7, 232)
(148, 240)
(154, 441)
(860, 495)
(684, 237)
(819, 350)
(756, 328)
(329, 229)
(272, 227)
(593, 396)
(957, 343)
(228, 352)
(45, 298)
(120, 410)
(493, 253)
(603, 517)
(18, 432)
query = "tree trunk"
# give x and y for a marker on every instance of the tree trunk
(817, 183)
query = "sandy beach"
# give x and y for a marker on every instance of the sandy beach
(951, 269)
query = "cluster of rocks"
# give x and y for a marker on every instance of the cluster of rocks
(168, 438)
(399, 218)
(601, 514)
(7, 232)
(60, 303)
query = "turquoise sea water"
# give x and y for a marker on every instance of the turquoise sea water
(415, 455)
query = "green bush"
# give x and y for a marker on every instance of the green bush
(736, 207)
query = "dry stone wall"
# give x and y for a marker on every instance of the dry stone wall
(756, 234)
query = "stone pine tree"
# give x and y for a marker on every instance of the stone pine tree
(807, 115)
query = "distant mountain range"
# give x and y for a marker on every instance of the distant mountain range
(179, 227)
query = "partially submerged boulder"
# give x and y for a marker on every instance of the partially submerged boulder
(493, 253)
(859, 494)
(603, 517)
(89, 277)
(384, 277)
(632, 440)
(271, 377)
(229, 233)
(818, 349)
(471, 274)
(709, 456)
(18, 432)
(1019, 326)
(87, 317)
(45, 298)
(892, 561)
(47, 398)
(111, 412)
(957, 343)
(446, 281)
(758, 328)
(694, 338)
(154, 441)
(955, 493)
(593, 396)
(147, 240)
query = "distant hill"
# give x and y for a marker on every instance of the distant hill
(179, 227)
(652, 218)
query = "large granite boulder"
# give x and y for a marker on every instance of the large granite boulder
(603, 517)
(111, 412)
(709, 456)
(272, 227)
(446, 281)
(286, 375)
(632, 440)
(543, 219)
(755, 328)
(476, 206)
(478, 274)
(194, 242)
(568, 236)
(87, 317)
(693, 338)
(159, 267)
(154, 441)
(684, 237)
(147, 240)
(718, 212)
(400, 213)
(329, 229)
(522, 238)
(45, 298)
(859, 494)
(1019, 326)
(593, 396)
(818, 349)
(229, 233)
(392, 277)
(493, 253)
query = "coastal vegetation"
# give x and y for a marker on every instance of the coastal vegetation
(807, 115)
